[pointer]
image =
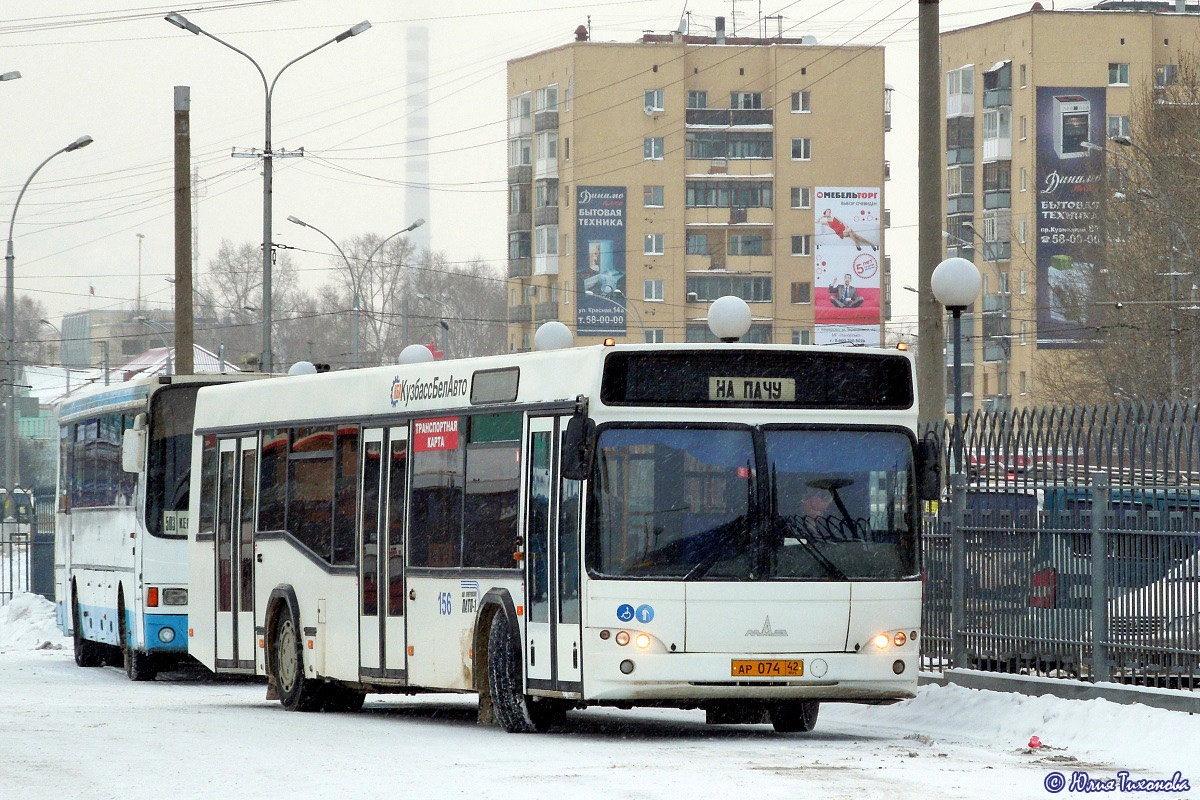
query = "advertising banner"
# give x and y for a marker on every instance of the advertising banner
(1069, 178)
(600, 261)
(846, 294)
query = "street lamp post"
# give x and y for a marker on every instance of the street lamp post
(956, 283)
(179, 21)
(10, 356)
(354, 276)
(441, 323)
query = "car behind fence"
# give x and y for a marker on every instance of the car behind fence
(1069, 545)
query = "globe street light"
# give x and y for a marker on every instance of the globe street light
(179, 21)
(10, 358)
(956, 283)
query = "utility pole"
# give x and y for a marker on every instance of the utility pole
(184, 321)
(138, 303)
(931, 365)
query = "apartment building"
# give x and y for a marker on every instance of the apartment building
(646, 179)
(1030, 101)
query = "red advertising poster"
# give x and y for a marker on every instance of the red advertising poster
(439, 433)
(846, 294)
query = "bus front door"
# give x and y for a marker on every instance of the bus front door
(235, 553)
(391, 566)
(552, 627)
(370, 630)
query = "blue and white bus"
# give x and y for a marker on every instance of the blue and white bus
(121, 527)
(730, 527)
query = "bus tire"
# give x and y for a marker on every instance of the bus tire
(515, 711)
(296, 693)
(139, 666)
(87, 652)
(794, 716)
(342, 698)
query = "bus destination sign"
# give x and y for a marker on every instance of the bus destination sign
(748, 390)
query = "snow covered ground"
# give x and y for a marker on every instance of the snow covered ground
(67, 732)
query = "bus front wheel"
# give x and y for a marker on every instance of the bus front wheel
(515, 711)
(139, 666)
(296, 693)
(794, 716)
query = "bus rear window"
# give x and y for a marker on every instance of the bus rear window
(758, 379)
(169, 456)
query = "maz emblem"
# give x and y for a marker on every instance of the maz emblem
(767, 630)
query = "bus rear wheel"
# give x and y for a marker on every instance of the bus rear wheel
(515, 711)
(794, 716)
(139, 666)
(87, 653)
(296, 693)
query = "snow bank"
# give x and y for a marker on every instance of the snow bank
(27, 623)
(1098, 728)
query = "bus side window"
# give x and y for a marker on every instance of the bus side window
(435, 527)
(345, 499)
(492, 480)
(272, 481)
(208, 485)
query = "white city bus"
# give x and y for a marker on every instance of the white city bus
(730, 526)
(121, 527)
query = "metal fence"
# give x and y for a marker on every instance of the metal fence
(1069, 545)
(27, 553)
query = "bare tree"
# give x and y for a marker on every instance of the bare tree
(27, 313)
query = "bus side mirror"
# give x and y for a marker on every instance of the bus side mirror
(577, 448)
(929, 470)
(133, 450)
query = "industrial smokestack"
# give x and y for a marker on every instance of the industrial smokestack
(416, 167)
(720, 30)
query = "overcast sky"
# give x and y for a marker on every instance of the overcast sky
(107, 69)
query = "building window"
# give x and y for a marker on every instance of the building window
(545, 241)
(1024, 384)
(653, 290)
(547, 146)
(749, 244)
(655, 336)
(546, 99)
(1118, 125)
(520, 152)
(801, 292)
(653, 244)
(566, 149)
(1022, 279)
(801, 102)
(519, 244)
(520, 115)
(1118, 74)
(697, 99)
(697, 244)
(1024, 329)
(1024, 179)
(652, 148)
(1023, 82)
(751, 288)
(801, 197)
(545, 193)
(1021, 240)
(729, 194)
(802, 245)
(745, 100)
(732, 144)
(652, 196)
(801, 149)
(1024, 128)
(1164, 75)
(654, 100)
(801, 336)
(1002, 282)
(518, 199)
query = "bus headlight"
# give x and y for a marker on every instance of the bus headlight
(166, 635)
(174, 597)
(881, 640)
(622, 638)
(642, 640)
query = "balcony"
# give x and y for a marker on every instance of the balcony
(547, 215)
(545, 264)
(960, 105)
(998, 148)
(996, 98)
(520, 267)
(521, 313)
(520, 174)
(545, 311)
(997, 199)
(519, 222)
(545, 120)
(728, 117)
(997, 326)
(960, 204)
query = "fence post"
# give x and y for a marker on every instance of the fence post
(958, 572)
(1099, 492)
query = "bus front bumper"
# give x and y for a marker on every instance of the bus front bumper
(166, 633)
(847, 677)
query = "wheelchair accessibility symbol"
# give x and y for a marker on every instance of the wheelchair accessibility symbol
(625, 612)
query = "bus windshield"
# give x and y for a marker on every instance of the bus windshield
(169, 456)
(690, 504)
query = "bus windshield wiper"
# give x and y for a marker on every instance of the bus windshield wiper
(732, 529)
(832, 485)
(800, 534)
